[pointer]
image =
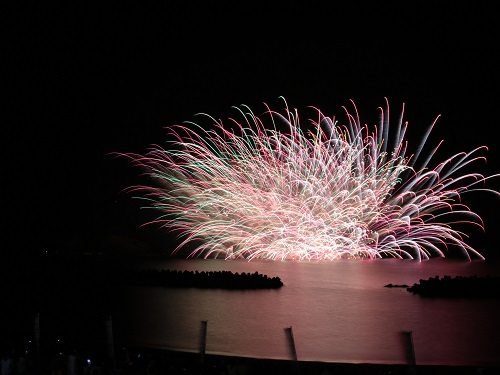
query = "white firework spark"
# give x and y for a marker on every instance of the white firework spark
(338, 191)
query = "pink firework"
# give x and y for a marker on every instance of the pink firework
(337, 191)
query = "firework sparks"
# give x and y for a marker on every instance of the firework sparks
(336, 191)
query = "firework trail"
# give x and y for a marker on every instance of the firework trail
(336, 191)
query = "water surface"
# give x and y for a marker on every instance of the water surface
(339, 312)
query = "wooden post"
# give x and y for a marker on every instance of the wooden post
(110, 344)
(292, 343)
(36, 333)
(203, 340)
(293, 350)
(410, 349)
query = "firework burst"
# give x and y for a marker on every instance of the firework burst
(250, 190)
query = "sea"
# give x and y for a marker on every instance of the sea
(338, 311)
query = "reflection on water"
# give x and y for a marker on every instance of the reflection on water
(339, 311)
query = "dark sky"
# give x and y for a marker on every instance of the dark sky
(86, 80)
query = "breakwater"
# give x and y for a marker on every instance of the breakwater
(458, 287)
(196, 279)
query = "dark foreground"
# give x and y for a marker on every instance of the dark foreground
(149, 361)
(73, 297)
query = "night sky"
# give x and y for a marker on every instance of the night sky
(84, 81)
